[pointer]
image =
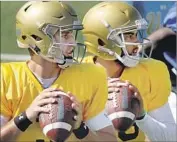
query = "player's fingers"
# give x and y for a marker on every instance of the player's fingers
(117, 84)
(69, 93)
(130, 84)
(49, 94)
(133, 88)
(42, 109)
(113, 89)
(73, 98)
(108, 78)
(113, 80)
(137, 95)
(111, 95)
(77, 108)
(74, 105)
(47, 101)
(50, 89)
(77, 104)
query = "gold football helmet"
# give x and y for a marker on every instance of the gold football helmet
(104, 27)
(36, 24)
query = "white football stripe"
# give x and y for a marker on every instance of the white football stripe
(121, 114)
(61, 125)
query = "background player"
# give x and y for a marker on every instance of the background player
(113, 33)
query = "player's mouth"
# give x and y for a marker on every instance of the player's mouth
(69, 53)
(135, 51)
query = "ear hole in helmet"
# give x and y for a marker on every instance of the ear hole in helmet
(23, 37)
(94, 59)
(37, 38)
(27, 7)
(101, 42)
(60, 17)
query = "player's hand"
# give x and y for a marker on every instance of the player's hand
(138, 96)
(115, 83)
(77, 106)
(47, 96)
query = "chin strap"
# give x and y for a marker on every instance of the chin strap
(129, 62)
(126, 60)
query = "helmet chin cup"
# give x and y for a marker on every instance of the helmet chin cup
(129, 62)
(66, 63)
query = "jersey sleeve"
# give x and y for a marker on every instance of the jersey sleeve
(160, 87)
(97, 103)
(6, 104)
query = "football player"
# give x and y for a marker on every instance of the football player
(114, 35)
(48, 29)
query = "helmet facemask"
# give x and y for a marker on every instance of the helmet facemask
(117, 37)
(57, 49)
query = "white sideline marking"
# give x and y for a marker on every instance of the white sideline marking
(14, 57)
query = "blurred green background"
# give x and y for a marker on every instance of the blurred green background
(153, 11)
(8, 31)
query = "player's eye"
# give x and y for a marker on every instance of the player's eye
(67, 34)
(129, 35)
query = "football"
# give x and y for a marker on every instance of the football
(58, 124)
(122, 108)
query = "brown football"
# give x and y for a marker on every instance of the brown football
(122, 108)
(57, 125)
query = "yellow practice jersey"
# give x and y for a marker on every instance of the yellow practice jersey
(151, 77)
(19, 88)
